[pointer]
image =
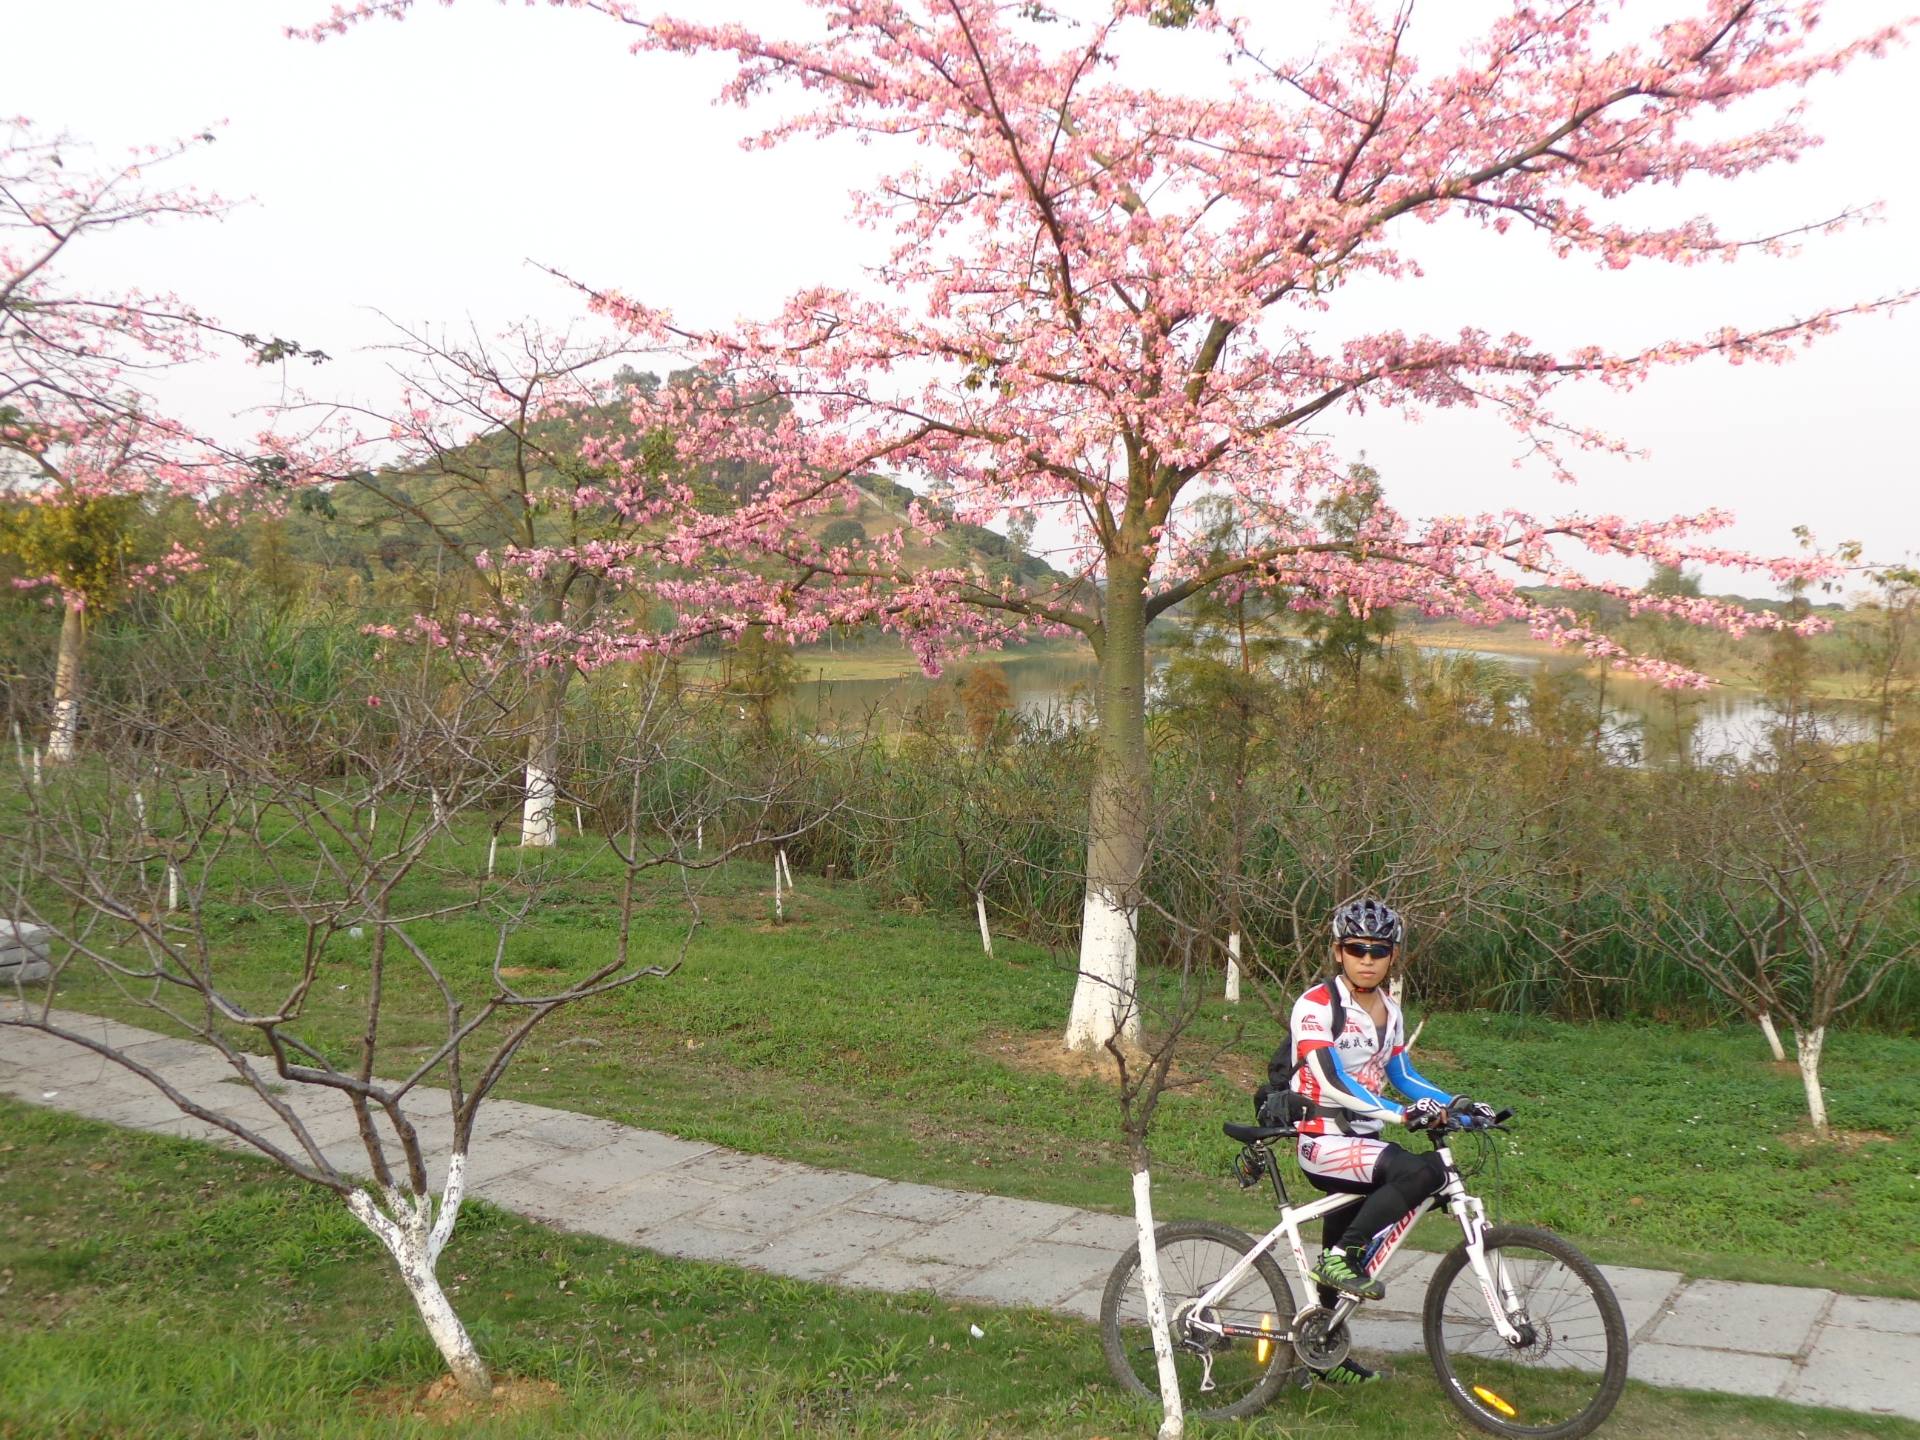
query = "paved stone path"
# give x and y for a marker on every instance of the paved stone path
(702, 1202)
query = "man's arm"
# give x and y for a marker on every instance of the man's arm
(1410, 1082)
(1338, 1089)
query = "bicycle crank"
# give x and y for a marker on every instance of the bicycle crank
(1317, 1341)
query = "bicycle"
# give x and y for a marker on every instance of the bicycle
(1523, 1330)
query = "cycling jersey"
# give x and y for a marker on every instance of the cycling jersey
(1342, 1076)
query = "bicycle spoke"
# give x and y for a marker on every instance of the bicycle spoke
(1558, 1376)
(1190, 1266)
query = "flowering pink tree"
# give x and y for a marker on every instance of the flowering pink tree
(82, 444)
(517, 461)
(1104, 301)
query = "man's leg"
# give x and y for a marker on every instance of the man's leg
(1347, 1164)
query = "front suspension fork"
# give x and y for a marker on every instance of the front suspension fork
(1505, 1302)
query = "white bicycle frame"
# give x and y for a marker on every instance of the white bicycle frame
(1467, 1209)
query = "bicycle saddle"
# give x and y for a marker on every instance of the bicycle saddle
(1253, 1134)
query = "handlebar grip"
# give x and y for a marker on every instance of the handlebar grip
(1501, 1117)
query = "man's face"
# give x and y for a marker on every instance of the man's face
(1364, 962)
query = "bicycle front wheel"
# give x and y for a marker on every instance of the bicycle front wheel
(1566, 1375)
(1246, 1368)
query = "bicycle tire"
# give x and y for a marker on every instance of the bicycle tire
(1519, 1366)
(1128, 1344)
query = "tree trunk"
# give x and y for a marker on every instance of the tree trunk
(66, 687)
(1104, 1000)
(980, 913)
(415, 1237)
(1173, 1417)
(537, 825)
(1806, 1045)
(1233, 968)
(1773, 1036)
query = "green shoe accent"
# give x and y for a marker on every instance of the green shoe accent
(1347, 1372)
(1337, 1270)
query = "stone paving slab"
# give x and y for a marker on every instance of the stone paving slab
(822, 1248)
(620, 1164)
(1393, 1334)
(700, 1202)
(984, 1232)
(1863, 1312)
(887, 1271)
(1644, 1295)
(1041, 1273)
(923, 1203)
(1858, 1370)
(1691, 1368)
(1109, 1234)
(652, 1201)
(558, 1128)
(691, 1240)
(788, 1201)
(732, 1170)
(1750, 1319)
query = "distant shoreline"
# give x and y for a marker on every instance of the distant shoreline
(819, 664)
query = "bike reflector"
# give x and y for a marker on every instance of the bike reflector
(1263, 1349)
(1488, 1397)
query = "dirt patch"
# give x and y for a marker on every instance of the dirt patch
(1043, 1055)
(442, 1402)
(1848, 1140)
(521, 972)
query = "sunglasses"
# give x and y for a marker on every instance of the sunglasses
(1362, 950)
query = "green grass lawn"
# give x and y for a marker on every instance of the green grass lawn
(867, 1039)
(156, 1288)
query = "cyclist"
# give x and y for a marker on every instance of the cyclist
(1342, 1076)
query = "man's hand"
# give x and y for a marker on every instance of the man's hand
(1424, 1115)
(1476, 1112)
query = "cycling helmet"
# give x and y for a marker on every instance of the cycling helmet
(1367, 919)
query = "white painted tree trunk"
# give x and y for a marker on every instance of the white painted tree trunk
(173, 887)
(493, 851)
(1414, 1038)
(1173, 1417)
(699, 836)
(1103, 1001)
(779, 907)
(439, 808)
(537, 826)
(786, 867)
(36, 765)
(1395, 985)
(62, 740)
(980, 913)
(579, 825)
(1233, 968)
(1773, 1036)
(140, 810)
(414, 1236)
(19, 747)
(1806, 1045)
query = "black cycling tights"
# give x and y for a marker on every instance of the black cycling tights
(1401, 1180)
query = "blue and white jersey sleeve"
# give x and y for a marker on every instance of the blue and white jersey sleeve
(1407, 1080)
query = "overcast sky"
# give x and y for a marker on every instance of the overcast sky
(417, 168)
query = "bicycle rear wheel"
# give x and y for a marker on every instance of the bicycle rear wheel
(1567, 1376)
(1247, 1370)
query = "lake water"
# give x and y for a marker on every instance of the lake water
(1646, 724)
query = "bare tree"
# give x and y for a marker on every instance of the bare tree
(1789, 889)
(226, 789)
